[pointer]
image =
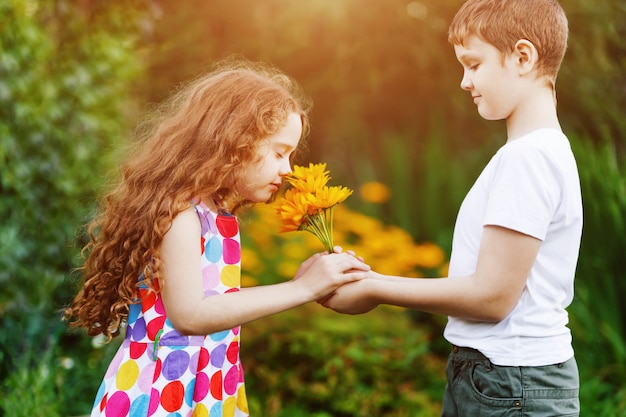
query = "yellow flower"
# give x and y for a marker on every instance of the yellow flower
(375, 192)
(326, 196)
(308, 205)
(310, 179)
(429, 255)
(293, 209)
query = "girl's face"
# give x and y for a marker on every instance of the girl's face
(490, 78)
(262, 179)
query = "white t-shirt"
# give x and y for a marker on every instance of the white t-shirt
(531, 185)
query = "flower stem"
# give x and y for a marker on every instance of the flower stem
(320, 224)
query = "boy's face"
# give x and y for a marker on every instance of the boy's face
(489, 77)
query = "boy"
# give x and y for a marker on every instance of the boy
(517, 235)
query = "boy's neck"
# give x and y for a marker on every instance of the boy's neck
(538, 111)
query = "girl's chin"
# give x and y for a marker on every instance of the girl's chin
(263, 199)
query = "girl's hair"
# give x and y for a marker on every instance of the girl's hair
(195, 146)
(503, 22)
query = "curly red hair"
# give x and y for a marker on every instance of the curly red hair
(194, 146)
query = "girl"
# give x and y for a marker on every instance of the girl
(164, 254)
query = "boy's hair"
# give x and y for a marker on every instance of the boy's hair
(503, 22)
(195, 146)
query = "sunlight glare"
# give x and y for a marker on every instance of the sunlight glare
(417, 10)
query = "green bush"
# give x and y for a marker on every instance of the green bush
(63, 84)
(43, 390)
(598, 313)
(314, 362)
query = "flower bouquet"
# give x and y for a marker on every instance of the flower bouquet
(308, 204)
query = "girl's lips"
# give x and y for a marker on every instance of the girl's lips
(476, 99)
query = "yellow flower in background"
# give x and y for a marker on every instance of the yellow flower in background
(429, 255)
(308, 205)
(375, 192)
(248, 280)
(388, 249)
(252, 260)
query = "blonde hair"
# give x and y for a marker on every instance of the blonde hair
(503, 22)
(196, 145)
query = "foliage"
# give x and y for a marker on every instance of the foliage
(79, 366)
(385, 82)
(312, 362)
(63, 80)
(593, 75)
(387, 108)
(598, 312)
(42, 390)
(603, 182)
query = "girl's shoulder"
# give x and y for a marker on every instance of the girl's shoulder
(201, 208)
(205, 215)
(219, 222)
(188, 220)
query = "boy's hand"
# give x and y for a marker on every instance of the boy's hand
(323, 273)
(350, 299)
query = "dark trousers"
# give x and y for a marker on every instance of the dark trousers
(478, 388)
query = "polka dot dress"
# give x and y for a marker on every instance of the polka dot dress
(160, 372)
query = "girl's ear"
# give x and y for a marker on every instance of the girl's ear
(526, 56)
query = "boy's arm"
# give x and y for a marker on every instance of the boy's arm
(504, 262)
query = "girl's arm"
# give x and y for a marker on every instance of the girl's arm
(504, 262)
(190, 312)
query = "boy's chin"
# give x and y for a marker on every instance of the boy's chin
(491, 116)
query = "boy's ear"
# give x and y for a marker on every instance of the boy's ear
(526, 56)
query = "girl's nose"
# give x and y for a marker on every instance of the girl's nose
(285, 168)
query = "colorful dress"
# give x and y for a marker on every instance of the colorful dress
(158, 371)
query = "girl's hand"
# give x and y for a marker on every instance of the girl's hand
(339, 249)
(307, 264)
(322, 274)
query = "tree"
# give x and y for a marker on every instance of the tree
(65, 72)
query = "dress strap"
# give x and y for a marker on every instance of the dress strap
(155, 346)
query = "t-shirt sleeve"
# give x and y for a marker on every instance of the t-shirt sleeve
(524, 192)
